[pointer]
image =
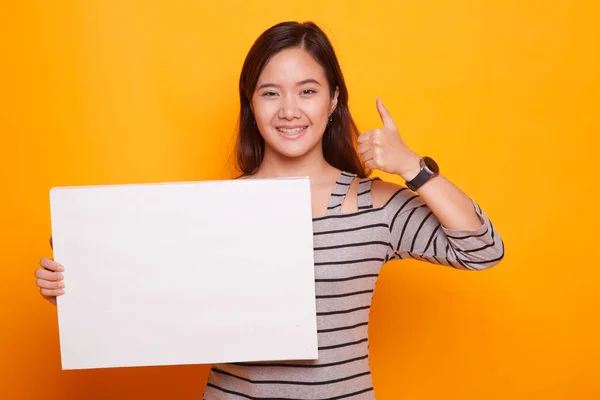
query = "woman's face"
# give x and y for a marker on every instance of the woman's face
(292, 104)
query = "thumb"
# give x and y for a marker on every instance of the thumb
(386, 118)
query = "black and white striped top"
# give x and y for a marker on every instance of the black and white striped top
(349, 251)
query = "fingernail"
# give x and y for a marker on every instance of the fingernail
(61, 285)
(60, 267)
(61, 292)
(60, 276)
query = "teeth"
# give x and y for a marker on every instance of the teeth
(291, 131)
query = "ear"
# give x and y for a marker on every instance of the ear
(334, 100)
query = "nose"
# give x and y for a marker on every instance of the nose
(289, 108)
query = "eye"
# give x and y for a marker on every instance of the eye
(269, 94)
(308, 91)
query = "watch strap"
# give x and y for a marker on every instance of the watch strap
(429, 169)
(422, 177)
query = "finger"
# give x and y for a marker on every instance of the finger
(42, 273)
(362, 148)
(364, 137)
(52, 292)
(51, 265)
(386, 118)
(44, 284)
(371, 164)
(367, 156)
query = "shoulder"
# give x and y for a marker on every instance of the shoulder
(382, 192)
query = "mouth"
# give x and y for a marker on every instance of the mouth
(292, 132)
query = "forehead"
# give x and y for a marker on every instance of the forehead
(291, 66)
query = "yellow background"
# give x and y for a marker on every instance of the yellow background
(504, 94)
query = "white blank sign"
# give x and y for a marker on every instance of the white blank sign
(185, 273)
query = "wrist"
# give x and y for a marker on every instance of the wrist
(411, 166)
(428, 170)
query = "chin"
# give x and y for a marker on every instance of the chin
(296, 150)
(292, 152)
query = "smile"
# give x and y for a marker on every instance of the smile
(292, 133)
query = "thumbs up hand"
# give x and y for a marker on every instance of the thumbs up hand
(384, 149)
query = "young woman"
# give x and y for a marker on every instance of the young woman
(295, 121)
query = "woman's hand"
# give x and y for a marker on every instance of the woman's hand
(49, 279)
(384, 149)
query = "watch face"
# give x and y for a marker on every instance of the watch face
(431, 165)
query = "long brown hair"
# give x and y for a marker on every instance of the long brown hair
(339, 139)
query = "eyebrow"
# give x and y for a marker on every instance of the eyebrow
(304, 82)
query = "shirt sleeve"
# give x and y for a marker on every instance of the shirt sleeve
(416, 232)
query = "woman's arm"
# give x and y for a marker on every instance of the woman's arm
(417, 232)
(452, 207)
(439, 223)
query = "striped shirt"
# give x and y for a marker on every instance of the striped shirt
(349, 251)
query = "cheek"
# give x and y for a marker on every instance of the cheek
(264, 111)
(318, 112)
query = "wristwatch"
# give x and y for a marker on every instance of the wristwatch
(429, 169)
